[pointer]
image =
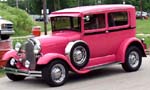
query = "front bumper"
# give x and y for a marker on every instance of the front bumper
(6, 32)
(23, 72)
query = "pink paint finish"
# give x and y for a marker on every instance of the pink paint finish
(9, 54)
(123, 47)
(106, 44)
(55, 56)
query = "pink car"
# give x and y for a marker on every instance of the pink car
(83, 39)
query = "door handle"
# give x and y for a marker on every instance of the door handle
(107, 31)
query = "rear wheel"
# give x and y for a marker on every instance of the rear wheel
(133, 59)
(13, 77)
(55, 73)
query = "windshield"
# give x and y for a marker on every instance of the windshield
(65, 23)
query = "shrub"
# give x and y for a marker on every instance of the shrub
(21, 20)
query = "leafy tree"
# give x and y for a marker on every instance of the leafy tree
(35, 6)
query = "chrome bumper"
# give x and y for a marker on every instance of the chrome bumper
(22, 72)
(7, 32)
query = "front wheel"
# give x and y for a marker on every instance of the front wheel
(55, 73)
(133, 59)
(14, 77)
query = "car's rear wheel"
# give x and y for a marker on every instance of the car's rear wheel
(55, 73)
(4, 37)
(14, 77)
(133, 59)
(79, 55)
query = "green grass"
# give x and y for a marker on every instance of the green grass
(1, 73)
(143, 26)
(42, 25)
(147, 40)
(22, 40)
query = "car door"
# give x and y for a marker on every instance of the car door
(118, 30)
(95, 34)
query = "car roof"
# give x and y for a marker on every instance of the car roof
(94, 8)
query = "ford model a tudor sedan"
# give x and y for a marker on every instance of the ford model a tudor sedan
(83, 39)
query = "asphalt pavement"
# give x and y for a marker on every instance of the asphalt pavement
(108, 78)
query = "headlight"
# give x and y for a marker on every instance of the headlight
(12, 62)
(18, 46)
(27, 64)
(37, 49)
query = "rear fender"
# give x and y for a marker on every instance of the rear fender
(10, 54)
(124, 46)
(44, 60)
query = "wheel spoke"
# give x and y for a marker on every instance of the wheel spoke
(79, 55)
(133, 59)
(58, 73)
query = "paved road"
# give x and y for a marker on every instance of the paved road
(109, 78)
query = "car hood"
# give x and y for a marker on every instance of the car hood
(2, 21)
(57, 42)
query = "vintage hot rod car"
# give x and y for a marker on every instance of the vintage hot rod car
(83, 39)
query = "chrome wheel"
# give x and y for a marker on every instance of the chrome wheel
(134, 59)
(58, 73)
(79, 55)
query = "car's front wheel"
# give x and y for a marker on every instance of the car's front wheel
(55, 73)
(133, 59)
(13, 77)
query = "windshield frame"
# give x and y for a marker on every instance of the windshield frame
(72, 25)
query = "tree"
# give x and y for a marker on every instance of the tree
(35, 6)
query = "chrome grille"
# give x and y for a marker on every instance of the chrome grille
(30, 56)
(9, 26)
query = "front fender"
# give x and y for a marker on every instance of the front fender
(53, 56)
(10, 54)
(49, 57)
(123, 47)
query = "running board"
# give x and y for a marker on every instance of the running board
(101, 66)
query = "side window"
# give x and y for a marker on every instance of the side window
(96, 21)
(117, 19)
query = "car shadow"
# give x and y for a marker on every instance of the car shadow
(100, 73)
(73, 78)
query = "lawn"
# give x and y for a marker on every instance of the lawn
(143, 26)
(42, 25)
(1, 73)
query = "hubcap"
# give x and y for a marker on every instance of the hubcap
(79, 55)
(134, 59)
(58, 73)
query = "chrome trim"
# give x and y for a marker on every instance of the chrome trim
(22, 72)
(30, 56)
(101, 65)
(7, 32)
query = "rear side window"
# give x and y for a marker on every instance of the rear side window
(117, 19)
(96, 21)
